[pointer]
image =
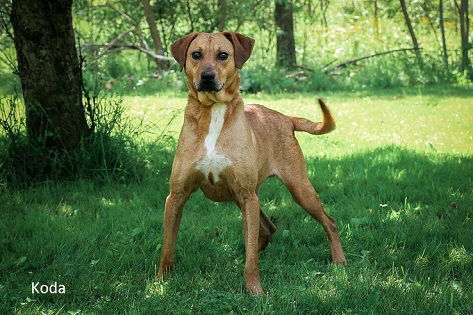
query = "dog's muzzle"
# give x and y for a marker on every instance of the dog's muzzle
(208, 83)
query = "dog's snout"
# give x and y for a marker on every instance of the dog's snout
(207, 75)
(208, 81)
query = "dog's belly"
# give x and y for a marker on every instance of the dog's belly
(217, 192)
(214, 167)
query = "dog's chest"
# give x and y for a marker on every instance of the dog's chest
(214, 162)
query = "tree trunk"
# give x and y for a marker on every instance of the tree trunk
(153, 29)
(464, 30)
(222, 6)
(285, 45)
(49, 71)
(375, 19)
(442, 31)
(415, 44)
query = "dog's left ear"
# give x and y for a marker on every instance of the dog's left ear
(180, 46)
(242, 45)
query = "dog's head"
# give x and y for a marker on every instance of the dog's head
(211, 62)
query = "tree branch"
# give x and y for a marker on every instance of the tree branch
(8, 61)
(118, 47)
(5, 12)
(353, 61)
(138, 30)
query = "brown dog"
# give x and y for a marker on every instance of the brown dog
(228, 149)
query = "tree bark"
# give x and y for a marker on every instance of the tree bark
(415, 44)
(222, 6)
(464, 30)
(158, 46)
(49, 71)
(285, 44)
(442, 32)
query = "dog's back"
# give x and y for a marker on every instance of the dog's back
(270, 123)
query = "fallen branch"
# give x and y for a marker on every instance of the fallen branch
(328, 64)
(312, 70)
(304, 68)
(299, 75)
(354, 61)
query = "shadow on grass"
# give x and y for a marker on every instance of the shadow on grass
(404, 217)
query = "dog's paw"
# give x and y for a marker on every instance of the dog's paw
(339, 261)
(164, 271)
(254, 289)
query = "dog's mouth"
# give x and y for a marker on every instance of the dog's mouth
(209, 86)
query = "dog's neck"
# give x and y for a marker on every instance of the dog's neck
(229, 94)
(198, 111)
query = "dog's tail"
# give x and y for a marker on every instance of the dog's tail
(318, 128)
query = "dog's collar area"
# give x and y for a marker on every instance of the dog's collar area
(218, 104)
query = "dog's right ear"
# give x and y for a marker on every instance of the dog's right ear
(179, 48)
(242, 45)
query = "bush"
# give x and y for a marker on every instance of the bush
(393, 71)
(389, 71)
(279, 80)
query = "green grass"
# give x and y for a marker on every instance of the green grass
(396, 174)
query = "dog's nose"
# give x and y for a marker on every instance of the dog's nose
(207, 75)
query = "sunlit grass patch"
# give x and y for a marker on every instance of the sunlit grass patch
(426, 123)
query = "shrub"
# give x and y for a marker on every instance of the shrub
(279, 80)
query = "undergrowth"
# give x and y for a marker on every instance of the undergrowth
(386, 72)
(112, 152)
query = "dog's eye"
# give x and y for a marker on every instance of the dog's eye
(196, 55)
(222, 56)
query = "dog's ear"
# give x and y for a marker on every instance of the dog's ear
(242, 45)
(180, 46)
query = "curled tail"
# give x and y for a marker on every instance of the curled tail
(315, 128)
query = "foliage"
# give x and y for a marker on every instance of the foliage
(396, 175)
(326, 32)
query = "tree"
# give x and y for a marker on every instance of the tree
(411, 30)
(375, 18)
(464, 30)
(222, 6)
(49, 71)
(285, 44)
(442, 31)
(158, 46)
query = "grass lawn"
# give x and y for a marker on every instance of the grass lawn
(396, 175)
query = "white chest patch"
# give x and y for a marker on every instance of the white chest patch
(214, 162)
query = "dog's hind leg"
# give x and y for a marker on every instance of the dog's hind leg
(266, 230)
(294, 176)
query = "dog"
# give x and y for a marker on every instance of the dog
(228, 149)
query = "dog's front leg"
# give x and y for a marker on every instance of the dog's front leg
(172, 218)
(251, 223)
